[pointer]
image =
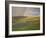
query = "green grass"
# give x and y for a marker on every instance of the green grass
(26, 25)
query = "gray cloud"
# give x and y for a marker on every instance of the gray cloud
(25, 11)
(35, 11)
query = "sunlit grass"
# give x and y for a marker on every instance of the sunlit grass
(35, 23)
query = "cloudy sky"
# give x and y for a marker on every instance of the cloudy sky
(25, 11)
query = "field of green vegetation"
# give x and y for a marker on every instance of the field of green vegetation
(26, 23)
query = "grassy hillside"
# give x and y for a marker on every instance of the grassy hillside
(26, 23)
